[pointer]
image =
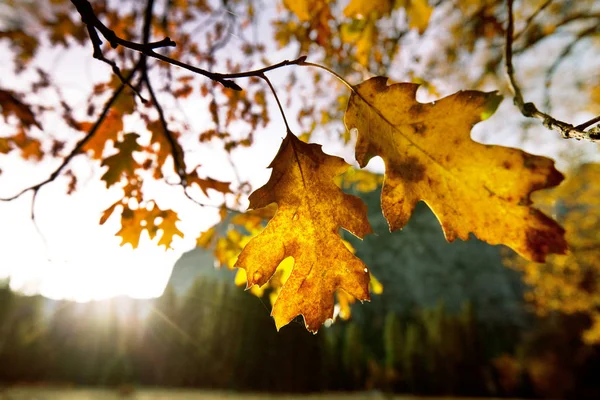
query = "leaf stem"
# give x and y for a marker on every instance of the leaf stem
(332, 72)
(264, 77)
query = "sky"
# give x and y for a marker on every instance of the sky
(69, 255)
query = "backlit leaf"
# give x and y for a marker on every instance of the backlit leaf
(208, 183)
(108, 130)
(311, 210)
(122, 164)
(151, 219)
(430, 156)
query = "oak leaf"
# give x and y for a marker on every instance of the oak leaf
(311, 210)
(150, 218)
(122, 163)
(108, 130)
(207, 183)
(429, 155)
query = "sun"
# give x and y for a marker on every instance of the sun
(72, 256)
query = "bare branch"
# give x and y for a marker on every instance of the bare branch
(529, 109)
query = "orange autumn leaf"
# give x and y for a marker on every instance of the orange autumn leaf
(109, 129)
(207, 183)
(151, 219)
(31, 148)
(64, 27)
(429, 155)
(311, 210)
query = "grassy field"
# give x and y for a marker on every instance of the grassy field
(164, 394)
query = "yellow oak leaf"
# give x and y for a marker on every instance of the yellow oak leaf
(429, 155)
(150, 218)
(365, 43)
(168, 226)
(311, 210)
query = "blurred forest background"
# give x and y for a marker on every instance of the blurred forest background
(452, 320)
(463, 319)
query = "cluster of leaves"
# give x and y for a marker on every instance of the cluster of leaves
(570, 283)
(427, 149)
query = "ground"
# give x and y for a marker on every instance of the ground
(164, 394)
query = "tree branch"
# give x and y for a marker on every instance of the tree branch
(529, 109)
(79, 146)
(88, 17)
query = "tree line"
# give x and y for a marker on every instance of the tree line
(219, 337)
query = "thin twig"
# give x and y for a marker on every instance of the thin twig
(88, 17)
(529, 109)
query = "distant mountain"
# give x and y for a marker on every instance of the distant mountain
(197, 263)
(417, 267)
